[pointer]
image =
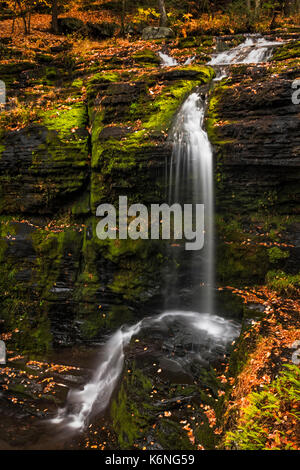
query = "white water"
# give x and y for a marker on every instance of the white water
(251, 51)
(96, 395)
(192, 157)
(189, 60)
(167, 61)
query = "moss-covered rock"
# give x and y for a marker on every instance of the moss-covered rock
(146, 57)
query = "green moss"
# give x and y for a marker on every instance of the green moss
(213, 113)
(188, 42)
(285, 284)
(240, 257)
(63, 121)
(257, 427)
(275, 254)
(146, 57)
(162, 109)
(130, 421)
(287, 51)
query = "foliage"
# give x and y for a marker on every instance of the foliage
(271, 415)
(275, 254)
(286, 284)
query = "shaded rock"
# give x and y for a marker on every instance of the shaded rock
(135, 28)
(70, 25)
(101, 30)
(259, 140)
(64, 46)
(114, 132)
(157, 33)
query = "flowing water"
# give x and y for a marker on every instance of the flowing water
(253, 50)
(190, 180)
(168, 61)
(82, 405)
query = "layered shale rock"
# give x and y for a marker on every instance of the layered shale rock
(59, 282)
(254, 126)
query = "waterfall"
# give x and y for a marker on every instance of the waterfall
(192, 156)
(191, 181)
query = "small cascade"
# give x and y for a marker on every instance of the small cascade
(189, 60)
(167, 61)
(253, 50)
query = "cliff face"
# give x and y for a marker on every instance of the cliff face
(105, 138)
(255, 127)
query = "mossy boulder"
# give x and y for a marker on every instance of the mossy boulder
(146, 57)
(290, 50)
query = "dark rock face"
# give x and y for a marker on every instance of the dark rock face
(94, 30)
(60, 283)
(39, 170)
(114, 132)
(256, 129)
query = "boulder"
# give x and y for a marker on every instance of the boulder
(70, 25)
(157, 33)
(101, 30)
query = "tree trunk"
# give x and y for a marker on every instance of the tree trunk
(123, 14)
(257, 6)
(163, 15)
(54, 22)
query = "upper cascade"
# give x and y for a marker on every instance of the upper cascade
(253, 50)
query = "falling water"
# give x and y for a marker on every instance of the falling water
(168, 61)
(191, 181)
